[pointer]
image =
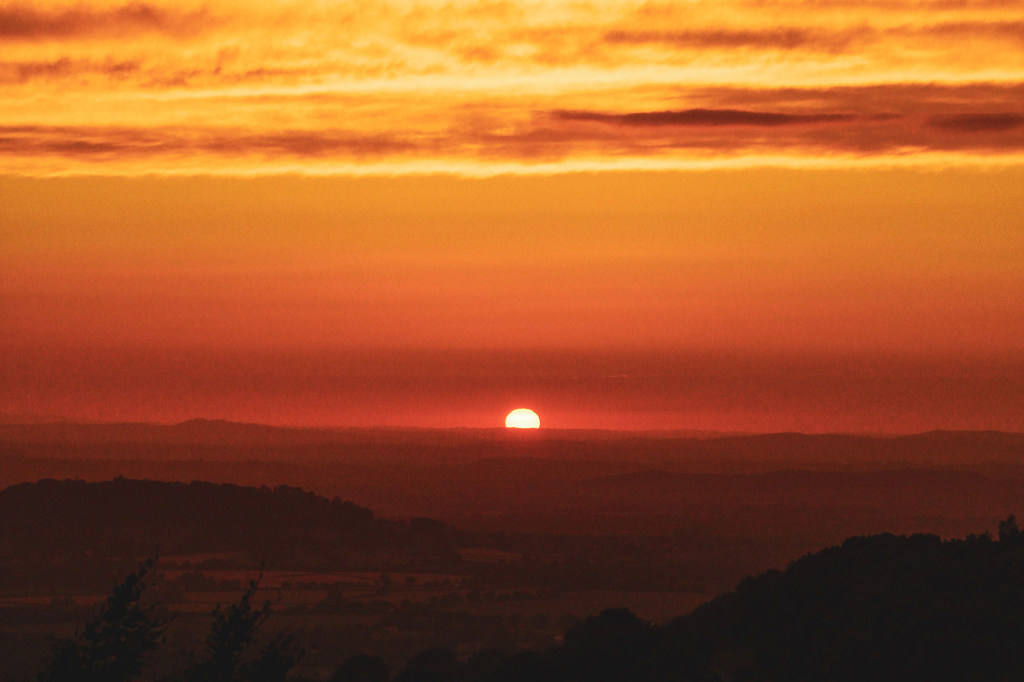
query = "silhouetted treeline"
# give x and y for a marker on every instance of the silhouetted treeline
(880, 607)
(117, 645)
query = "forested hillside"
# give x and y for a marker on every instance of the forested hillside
(882, 607)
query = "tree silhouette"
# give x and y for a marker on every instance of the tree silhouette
(231, 637)
(1009, 532)
(114, 646)
(111, 648)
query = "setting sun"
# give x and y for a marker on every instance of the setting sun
(522, 419)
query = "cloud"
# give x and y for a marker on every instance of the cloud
(702, 117)
(64, 67)
(905, 98)
(302, 143)
(1012, 30)
(27, 22)
(810, 37)
(779, 37)
(285, 127)
(884, 5)
(97, 143)
(979, 122)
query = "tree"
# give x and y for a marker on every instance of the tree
(113, 647)
(273, 660)
(1009, 532)
(231, 637)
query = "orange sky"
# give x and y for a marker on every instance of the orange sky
(821, 180)
(503, 86)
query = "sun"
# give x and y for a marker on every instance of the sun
(522, 419)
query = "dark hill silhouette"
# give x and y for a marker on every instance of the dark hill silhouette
(127, 517)
(875, 608)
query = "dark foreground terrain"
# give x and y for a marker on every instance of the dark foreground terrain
(877, 607)
(350, 581)
(880, 607)
(480, 555)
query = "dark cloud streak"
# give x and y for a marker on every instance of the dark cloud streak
(26, 22)
(777, 37)
(550, 135)
(702, 117)
(906, 98)
(890, 5)
(979, 122)
(810, 38)
(64, 67)
(88, 142)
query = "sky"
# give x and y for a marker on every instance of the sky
(730, 215)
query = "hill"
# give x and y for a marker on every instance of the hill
(56, 520)
(881, 607)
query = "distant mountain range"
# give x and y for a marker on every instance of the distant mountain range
(227, 441)
(49, 430)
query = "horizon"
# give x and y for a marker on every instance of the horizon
(542, 433)
(618, 391)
